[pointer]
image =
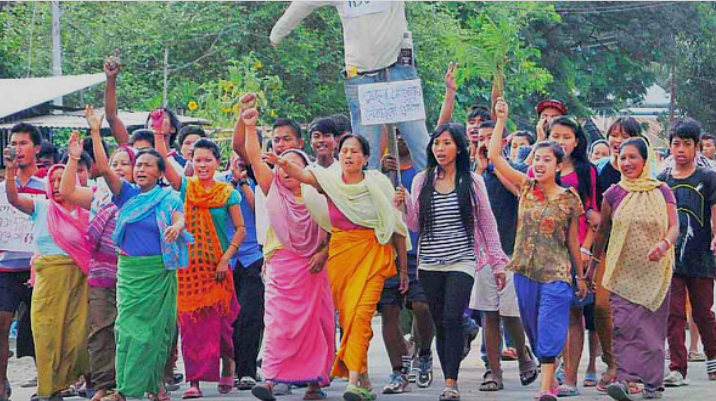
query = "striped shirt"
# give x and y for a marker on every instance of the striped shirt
(103, 257)
(448, 242)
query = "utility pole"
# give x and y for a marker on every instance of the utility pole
(165, 101)
(56, 45)
(672, 97)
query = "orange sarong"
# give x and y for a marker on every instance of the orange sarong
(357, 268)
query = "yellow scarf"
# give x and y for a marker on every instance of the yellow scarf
(638, 224)
(368, 203)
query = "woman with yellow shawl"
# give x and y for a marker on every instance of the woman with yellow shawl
(640, 216)
(367, 233)
(206, 301)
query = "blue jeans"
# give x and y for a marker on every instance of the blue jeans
(414, 133)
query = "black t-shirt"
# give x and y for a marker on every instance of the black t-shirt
(607, 176)
(695, 196)
(504, 206)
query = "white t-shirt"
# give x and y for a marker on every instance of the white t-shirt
(365, 24)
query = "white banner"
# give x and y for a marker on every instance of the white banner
(391, 102)
(16, 229)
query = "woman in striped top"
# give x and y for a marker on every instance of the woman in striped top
(458, 235)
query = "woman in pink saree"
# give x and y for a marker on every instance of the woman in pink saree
(299, 313)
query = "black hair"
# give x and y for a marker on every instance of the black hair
(486, 124)
(47, 149)
(628, 125)
(87, 146)
(364, 145)
(142, 135)
(160, 160)
(205, 143)
(343, 123)
(324, 125)
(580, 160)
(554, 147)
(173, 120)
(25, 128)
(289, 122)
(639, 144)
(85, 159)
(707, 137)
(687, 128)
(481, 112)
(190, 130)
(525, 134)
(463, 182)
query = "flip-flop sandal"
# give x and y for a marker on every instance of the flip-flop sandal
(528, 373)
(450, 394)
(368, 394)
(353, 393)
(246, 383)
(226, 384)
(491, 382)
(590, 380)
(263, 392)
(115, 396)
(315, 395)
(192, 393)
(603, 384)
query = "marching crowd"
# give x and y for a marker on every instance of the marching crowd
(261, 262)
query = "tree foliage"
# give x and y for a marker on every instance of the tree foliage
(593, 55)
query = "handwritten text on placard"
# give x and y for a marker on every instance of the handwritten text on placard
(15, 227)
(391, 102)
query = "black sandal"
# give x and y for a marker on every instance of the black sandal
(491, 382)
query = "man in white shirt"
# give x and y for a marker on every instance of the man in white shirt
(378, 48)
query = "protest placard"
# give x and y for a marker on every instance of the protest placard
(391, 102)
(15, 227)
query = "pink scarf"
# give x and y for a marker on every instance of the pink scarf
(291, 221)
(66, 230)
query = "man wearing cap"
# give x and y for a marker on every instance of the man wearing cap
(548, 110)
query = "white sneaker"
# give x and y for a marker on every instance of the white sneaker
(675, 379)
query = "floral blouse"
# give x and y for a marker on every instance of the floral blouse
(541, 251)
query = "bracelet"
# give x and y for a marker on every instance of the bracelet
(231, 243)
(595, 260)
(581, 279)
(668, 242)
(75, 158)
(586, 251)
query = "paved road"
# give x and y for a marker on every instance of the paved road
(470, 373)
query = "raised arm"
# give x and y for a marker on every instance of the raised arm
(111, 69)
(21, 203)
(450, 92)
(100, 156)
(160, 144)
(298, 173)
(68, 185)
(262, 172)
(494, 151)
(294, 14)
(238, 142)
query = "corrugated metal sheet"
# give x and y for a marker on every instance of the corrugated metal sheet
(76, 120)
(20, 94)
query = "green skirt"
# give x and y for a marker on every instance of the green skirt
(146, 323)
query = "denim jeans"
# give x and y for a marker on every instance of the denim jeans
(414, 132)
